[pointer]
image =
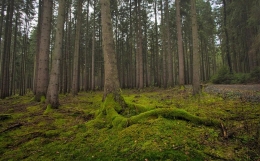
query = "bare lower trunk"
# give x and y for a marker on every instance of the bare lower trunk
(196, 57)
(43, 66)
(180, 46)
(53, 88)
(75, 78)
(111, 73)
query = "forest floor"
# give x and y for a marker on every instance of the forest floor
(29, 131)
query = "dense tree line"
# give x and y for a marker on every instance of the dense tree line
(156, 43)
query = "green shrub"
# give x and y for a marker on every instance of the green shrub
(255, 75)
(223, 76)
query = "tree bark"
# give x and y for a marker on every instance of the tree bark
(75, 78)
(36, 61)
(227, 38)
(43, 66)
(196, 57)
(180, 45)
(53, 88)
(93, 50)
(111, 73)
(87, 51)
(169, 54)
(1, 30)
(5, 75)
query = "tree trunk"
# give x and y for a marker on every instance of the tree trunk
(43, 66)
(5, 75)
(53, 88)
(111, 73)
(157, 62)
(227, 38)
(13, 58)
(36, 62)
(75, 78)
(93, 50)
(163, 46)
(180, 46)
(169, 54)
(87, 51)
(1, 30)
(196, 57)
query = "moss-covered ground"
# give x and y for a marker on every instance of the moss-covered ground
(84, 128)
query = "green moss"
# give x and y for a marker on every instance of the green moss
(111, 107)
(52, 133)
(33, 109)
(43, 98)
(48, 109)
(174, 114)
(152, 127)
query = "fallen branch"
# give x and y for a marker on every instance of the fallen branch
(12, 127)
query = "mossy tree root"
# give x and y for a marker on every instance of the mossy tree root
(171, 113)
(111, 108)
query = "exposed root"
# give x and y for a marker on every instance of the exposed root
(12, 127)
(111, 109)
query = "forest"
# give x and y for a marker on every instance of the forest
(129, 80)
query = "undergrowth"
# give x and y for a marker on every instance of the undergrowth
(223, 76)
(84, 128)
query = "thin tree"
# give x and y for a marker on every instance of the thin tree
(180, 45)
(43, 61)
(93, 49)
(53, 88)
(196, 58)
(75, 79)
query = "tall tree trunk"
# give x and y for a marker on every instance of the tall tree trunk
(43, 66)
(36, 62)
(87, 51)
(53, 88)
(195, 45)
(111, 73)
(131, 63)
(75, 78)
(157, 62)
(180, 45)
(1, 30)
(227, 37)
(13, 58)
(93, 50)
(169, 54)
(5, 75)
(139, 53)
(163, 51)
